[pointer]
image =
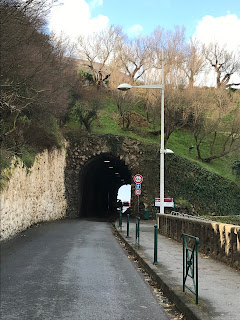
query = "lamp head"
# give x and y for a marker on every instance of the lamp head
(124, 87)
(168, 151)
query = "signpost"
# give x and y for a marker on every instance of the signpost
(138, 179)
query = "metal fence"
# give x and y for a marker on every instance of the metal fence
(190, 264)
(185, 215)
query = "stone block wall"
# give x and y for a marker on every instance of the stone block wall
(218, 240)
(34, 195)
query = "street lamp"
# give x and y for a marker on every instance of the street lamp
(125, 87)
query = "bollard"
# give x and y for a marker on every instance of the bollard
(155, 243)
(137, 229)
(120, 219)
(128, 225)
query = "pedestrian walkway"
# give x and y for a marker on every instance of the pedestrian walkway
(219, 285)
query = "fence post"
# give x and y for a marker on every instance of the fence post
(155, 243)
(128, 225)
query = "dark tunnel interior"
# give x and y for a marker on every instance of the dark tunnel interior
(99, 181)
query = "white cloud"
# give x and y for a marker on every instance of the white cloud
(73, 17)
(135, 30)
(223, 30)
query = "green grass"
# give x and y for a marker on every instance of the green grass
(179, 141)
(107, 123)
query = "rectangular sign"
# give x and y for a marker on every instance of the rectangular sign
(168, 202)
(138, 185)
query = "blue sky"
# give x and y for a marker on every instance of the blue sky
(151, 13)
(74, 17)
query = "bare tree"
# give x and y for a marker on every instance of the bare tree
(216, 121)
(193, 62)
(173, 44)
(176, 107)
(134, 57)
(224, 62)
(96, 52)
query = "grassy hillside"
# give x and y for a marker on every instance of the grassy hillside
(109, 122)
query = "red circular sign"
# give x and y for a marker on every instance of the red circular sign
(137, 192)
(138, 178)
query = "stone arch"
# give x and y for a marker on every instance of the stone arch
(85, 154)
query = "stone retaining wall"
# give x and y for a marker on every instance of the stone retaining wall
(218, 240)
(33, 195)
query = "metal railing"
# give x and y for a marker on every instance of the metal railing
(190, 264)
(185, 215)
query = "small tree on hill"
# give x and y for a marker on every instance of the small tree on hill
(216, 122)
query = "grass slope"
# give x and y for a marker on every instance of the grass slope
(179, 141)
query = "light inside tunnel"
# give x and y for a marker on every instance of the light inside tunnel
(99, 182)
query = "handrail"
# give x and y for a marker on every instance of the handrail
(185, 215)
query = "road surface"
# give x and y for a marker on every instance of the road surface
(72, 269)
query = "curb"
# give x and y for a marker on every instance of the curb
(190, 311)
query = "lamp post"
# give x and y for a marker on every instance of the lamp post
(125, 87)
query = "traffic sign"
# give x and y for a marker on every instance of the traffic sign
(138, 178)
(137, 192)
(138, 186)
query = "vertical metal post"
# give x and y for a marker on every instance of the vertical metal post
(162, 142)
(128, 225)
(138, 204)
(120, 219)
(154, 209)
(183, 239)
(197, 270)
(155, 243)
(137, 229)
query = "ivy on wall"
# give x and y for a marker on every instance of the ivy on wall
(208, 192)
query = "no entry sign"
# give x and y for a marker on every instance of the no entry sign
(138, 178)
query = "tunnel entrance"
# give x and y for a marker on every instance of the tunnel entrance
(99, 181)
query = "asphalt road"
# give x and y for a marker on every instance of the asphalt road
(72, 269)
